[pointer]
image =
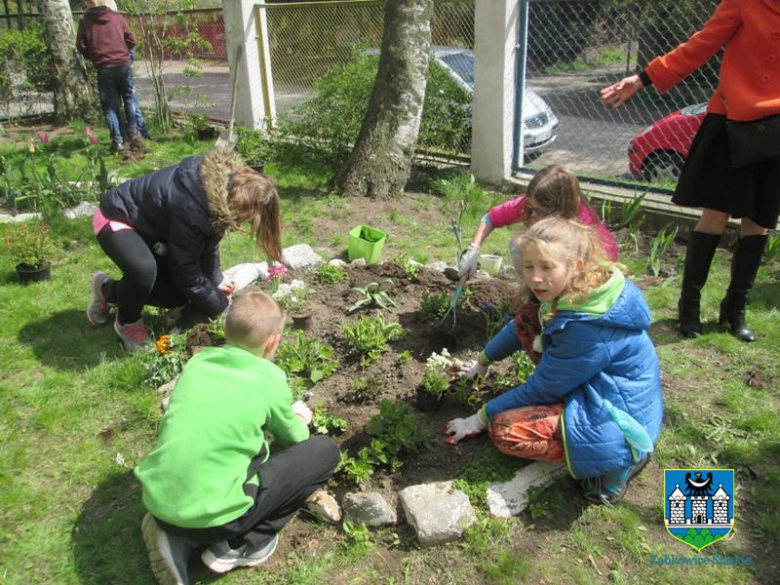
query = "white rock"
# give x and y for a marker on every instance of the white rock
(242, 275)
(437, 511)
(359, 262)
(368, 508)
(300, 255)
(19, 217)
(511, 497)
(82, 209)
(336, 262)
(324, 506)
(437, 266)
(482, 275)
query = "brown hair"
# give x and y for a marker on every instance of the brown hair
(567, 242)
(557, 191)
(253, 197)
(252, 319)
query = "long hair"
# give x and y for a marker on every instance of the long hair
(253, 198)
(567, 242)
(557, 191)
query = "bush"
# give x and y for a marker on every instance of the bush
(329, 122)
(24, 51)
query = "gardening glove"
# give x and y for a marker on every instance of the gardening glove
(471, 370)
(302, 411)
(227, 286)
(468, 262)
(465, 428)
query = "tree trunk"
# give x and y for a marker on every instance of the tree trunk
(73, 96)
(381, 162)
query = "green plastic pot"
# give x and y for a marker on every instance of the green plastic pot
(366, 242)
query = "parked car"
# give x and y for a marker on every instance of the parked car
(657, 153)
(540, 124)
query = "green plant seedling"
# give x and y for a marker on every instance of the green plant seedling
(411, 267)
(364, 388)
(329, 274)
(303, 355)
(404, 356)
(374, 296)
(433, 306)
(658, 248)
(369, 336)
(326, 424)
(630, 212)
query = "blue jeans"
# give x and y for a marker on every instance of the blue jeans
(114, 84)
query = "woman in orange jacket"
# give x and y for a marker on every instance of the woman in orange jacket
(749, 90)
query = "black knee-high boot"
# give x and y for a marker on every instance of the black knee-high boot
(744, 266)
(698, 258)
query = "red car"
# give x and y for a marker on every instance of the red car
(656, 154)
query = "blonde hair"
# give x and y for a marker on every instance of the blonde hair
(567, 242)
(557, 191)
(253, 198)
(94, 3)
(252, 319)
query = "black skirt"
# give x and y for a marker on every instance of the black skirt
(707, 179)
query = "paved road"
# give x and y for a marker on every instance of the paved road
(591, 139)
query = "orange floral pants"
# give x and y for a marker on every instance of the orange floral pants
(530, 432)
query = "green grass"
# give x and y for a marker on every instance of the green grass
(72, 402)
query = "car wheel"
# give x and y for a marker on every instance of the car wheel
(663, 166)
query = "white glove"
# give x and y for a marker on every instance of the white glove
(464, 428)
(472, 369)
(468, 262)
(227, 286)
(302, 411)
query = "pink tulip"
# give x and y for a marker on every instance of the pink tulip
(44, 138)
(92, 139)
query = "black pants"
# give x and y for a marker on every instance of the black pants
(286, 480)
(145, 277)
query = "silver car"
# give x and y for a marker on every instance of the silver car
(540, 124)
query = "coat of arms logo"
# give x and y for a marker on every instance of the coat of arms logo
(699, 505)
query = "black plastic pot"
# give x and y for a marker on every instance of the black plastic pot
(427, 402)
(258, 167)
(28, 274)
(209, 133)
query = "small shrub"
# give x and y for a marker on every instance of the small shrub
(30, 244)
(251, 145)
(329, 274)
(433, 307)
(369, 336)
(303, 355)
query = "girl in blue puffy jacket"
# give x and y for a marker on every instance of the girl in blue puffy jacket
(594, 400)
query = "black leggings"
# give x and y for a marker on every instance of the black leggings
(145, 276)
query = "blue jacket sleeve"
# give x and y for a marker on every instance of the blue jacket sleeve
(572, 357)
(503, 344)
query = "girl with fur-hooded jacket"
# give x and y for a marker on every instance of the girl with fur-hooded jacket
(163, 230)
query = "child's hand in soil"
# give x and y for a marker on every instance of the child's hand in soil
(302, 411)
(465, 428)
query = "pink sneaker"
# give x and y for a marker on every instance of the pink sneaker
(134, 336)
(98, 309)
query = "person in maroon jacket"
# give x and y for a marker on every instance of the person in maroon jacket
(104, 38)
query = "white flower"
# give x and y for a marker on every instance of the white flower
(120, 460)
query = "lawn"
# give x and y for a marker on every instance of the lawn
(77, 415)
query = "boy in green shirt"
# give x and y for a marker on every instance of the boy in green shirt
(210, 479)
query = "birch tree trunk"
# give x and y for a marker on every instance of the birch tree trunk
(381, 162)
(73, 95)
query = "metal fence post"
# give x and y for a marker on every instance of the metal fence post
(522, 54)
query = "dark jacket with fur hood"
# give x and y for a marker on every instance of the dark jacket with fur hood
(184, 207)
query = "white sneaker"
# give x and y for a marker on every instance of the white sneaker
(98, 309)
(220, 558)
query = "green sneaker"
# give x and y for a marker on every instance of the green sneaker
(610, 488)
(220, 558)
(168, 554)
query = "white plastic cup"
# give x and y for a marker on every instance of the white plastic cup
(491, 263)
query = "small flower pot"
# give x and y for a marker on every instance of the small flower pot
(427, 402)
(491, 263)
(258, 167)
(366, 242)
(208, 133)
(28, 274)
(302, 321)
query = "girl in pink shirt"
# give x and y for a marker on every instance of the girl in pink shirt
(554, 191)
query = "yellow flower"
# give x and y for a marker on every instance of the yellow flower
(163, 344)
(473, 399)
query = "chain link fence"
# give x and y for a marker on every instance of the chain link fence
(577, 47)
